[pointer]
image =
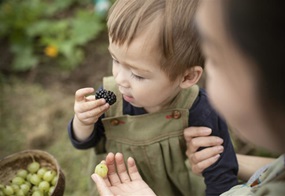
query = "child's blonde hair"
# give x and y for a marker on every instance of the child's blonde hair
(178, 41)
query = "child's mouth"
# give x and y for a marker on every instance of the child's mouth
(128, 98)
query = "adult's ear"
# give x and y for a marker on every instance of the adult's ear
(191, 76)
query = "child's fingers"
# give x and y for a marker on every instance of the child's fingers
(81, 107)
(90, 98)
(96, 112)
(93, 113)
(81, 93)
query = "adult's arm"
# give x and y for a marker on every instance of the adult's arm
(249, 164)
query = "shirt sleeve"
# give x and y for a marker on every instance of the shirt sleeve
(222, 175)
(93, 139)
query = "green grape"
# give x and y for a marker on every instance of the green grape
(22, 173)
(18, 180)
(25, 187)
(44, 186)
(35, 179)
(51, 189)
(101, 169)
(29, 177)
(41, 172)
(35, 188)
(33, 167)
(37, 193)
(49, 175)
(20, 193)
(54, 180)
(15, 187)
(28, 184)
(8, 190)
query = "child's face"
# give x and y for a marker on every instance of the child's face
(231, 78)
(137, 72)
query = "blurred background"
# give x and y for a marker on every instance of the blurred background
(48, 50)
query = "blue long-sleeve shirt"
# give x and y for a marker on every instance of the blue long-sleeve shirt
(219, 177)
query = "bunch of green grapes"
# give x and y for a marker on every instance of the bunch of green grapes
(32, 181)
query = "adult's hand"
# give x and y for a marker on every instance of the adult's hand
(119, 180)
(199, 137)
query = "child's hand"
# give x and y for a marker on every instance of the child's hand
(87, 109)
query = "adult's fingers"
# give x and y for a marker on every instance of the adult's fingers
(192, 132)
(117, 171)
(207, 141)
(204, 154)
(201, 166)
(133, 170)
(112, 171)
(106, 179)
(121, 168)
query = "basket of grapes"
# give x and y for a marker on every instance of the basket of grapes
(31, 173)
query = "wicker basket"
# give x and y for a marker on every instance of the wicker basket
(11, 164)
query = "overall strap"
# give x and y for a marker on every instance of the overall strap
(186, 98)
(110, 85)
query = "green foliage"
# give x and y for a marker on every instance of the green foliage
(52, 31)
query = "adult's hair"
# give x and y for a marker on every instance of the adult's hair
(178, 41)
(258, 28)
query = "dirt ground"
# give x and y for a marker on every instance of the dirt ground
(36, 106)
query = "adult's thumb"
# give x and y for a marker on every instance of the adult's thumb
(103, 189)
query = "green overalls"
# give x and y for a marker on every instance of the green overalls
(154, 140)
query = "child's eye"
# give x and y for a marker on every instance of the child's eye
(137, 77)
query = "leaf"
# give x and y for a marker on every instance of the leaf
(24, 58)
(85, 27)
(66, 48)
(48, 28)
(72, 59)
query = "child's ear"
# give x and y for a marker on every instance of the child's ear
(191, 77)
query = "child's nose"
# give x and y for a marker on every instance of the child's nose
(121, 78)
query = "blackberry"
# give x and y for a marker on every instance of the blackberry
(109, 96)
